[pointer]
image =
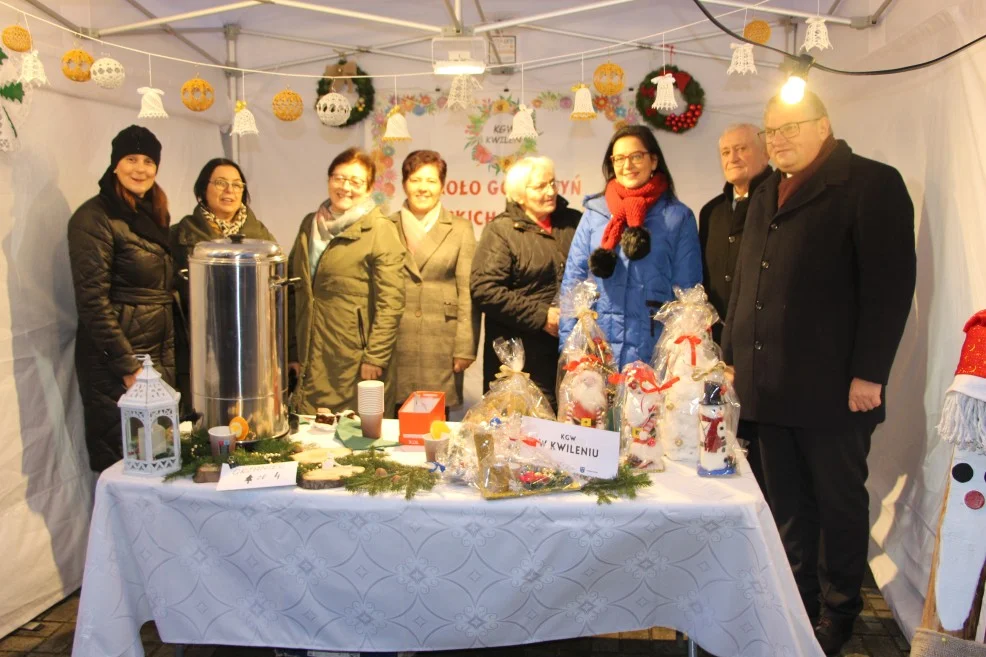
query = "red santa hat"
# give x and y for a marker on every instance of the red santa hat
(963, 416)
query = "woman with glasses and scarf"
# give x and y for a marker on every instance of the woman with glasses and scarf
(223, 209)
(123, 276)
(345, 310)
(636, 240)
(518, 268)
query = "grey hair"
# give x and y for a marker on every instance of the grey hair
(515, 184)
(732, 127)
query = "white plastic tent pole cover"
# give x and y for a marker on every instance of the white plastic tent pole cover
(490, 27)
(767, 9)
(356, 14)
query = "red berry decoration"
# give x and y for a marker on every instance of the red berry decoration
(691, 92)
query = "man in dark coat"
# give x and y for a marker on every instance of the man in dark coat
(822, 292)
(743, 156)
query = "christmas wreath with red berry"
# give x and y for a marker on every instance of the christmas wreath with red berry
(691, 92)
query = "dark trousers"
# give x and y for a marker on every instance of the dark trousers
(749, 433)
(816, 483)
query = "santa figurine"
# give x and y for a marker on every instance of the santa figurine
(585, 394)
(641, 402)
(949, 624)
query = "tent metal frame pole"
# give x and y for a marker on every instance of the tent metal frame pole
(198, 13)
(780, 11)
(341, 49)
(170, 30)
(490, 27)
(173, 30)
(374, 18)
(54, 15)
(644, 45)
(489, 35)
(232, 33)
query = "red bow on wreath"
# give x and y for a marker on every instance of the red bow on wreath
(681, 79)
(693, 341)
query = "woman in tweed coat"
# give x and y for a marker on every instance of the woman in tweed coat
(437, 338)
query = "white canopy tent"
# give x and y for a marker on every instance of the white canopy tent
(924, 123)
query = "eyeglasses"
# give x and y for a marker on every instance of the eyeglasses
(355, 183)
(222, 185)
(788, 130)
(543, 187)
(634, 158)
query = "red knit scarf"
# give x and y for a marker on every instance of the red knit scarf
(630, 206)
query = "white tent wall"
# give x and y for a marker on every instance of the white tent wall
(45, 482)
(923, 123)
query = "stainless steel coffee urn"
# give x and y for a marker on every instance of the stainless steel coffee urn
(237, 314)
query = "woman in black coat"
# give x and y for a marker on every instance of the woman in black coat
(123, 276)
(518, 269)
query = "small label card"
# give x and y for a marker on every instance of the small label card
(267, 475)
(580, 450)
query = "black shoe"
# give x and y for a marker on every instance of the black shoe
(832, 633)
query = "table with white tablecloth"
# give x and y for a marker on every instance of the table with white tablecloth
(332, 570)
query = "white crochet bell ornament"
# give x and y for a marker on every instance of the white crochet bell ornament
(107, 73)
(742, 61)
(462, 94)
(583, 109)
(396, 127)
(664, 99)
(817, 35)
(33, 71)
(523, 126)
(333, 109)
(243, 121)
(151, 105)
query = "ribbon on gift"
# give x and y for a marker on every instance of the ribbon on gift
(506, 372)
(587, 359)
(719, 367)
(693, 342)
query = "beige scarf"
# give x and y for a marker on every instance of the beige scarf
(415, 229)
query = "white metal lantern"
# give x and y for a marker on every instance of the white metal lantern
(149, 425)
(107, 73)
(333, 109)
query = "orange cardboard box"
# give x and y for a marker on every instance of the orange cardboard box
(417, 414)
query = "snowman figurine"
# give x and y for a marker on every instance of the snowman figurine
(717, 457)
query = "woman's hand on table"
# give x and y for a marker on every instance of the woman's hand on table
(369, 372)
(460, 365)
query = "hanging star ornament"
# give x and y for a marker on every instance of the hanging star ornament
(462, 94)
(664, 99)
(817, 35)
(742, 62)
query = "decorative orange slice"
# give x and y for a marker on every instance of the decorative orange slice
(239, 427)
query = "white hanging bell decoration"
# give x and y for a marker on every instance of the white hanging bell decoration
(523, 126)
(583, 110)
(817, 35)
(333, 109)
(396, 127)
(461, 95)
(664, 95)
(33, 71)
(107, 73)
(243, 121)
(742, 61)
(151, 105)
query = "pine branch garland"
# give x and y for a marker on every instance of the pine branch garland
(625, 484)
(395, 478)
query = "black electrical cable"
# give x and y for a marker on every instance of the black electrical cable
(827, 69)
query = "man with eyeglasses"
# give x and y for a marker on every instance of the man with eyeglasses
(821, 294)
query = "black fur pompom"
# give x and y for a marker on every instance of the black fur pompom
(602, 262)
(635, 242)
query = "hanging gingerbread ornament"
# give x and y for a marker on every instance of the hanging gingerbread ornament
(17, 38)
(608, 79)
(197, 94)
(76, 65)
(288, 105)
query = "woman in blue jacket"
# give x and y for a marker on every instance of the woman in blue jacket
(636, 240)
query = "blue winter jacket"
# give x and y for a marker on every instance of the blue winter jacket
(629, 298)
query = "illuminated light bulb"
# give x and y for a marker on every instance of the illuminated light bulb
(793, 90)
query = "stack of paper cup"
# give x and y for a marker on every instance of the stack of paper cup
(370, 403)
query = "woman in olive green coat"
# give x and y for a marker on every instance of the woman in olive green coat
(348, 304)
(439, 331)
(223, 209)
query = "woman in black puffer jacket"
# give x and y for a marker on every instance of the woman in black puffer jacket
(123, 276)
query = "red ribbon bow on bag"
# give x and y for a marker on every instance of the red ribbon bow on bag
(693, 342)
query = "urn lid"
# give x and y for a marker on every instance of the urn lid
(237, 250)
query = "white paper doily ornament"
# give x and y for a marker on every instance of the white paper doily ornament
(333, 109)
(33, 71)
(107, 73)
(462, 94)
(523, 125)
(742, 61)
(664, 95)
(396, 127)
(151, 105)
(817, 35)
(583, 109)
(244, 122)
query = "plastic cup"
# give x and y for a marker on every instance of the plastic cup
(372, 424)
(369, 398)
(222, 441)
(436, 450)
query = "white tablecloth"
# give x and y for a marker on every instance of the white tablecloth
(331, 570)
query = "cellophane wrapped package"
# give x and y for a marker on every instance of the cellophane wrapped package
(640, 402)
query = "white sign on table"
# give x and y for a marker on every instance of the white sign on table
(267, 475)
(580, 450)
